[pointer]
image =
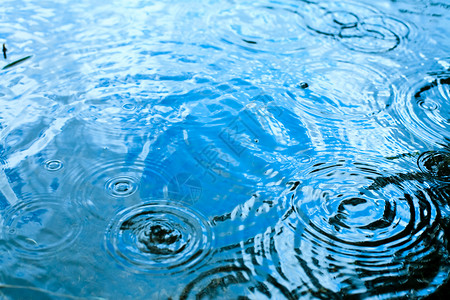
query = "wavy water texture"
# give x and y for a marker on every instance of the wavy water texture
(278, 149)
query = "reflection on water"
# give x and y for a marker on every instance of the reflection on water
(365, 234)
(224, 149)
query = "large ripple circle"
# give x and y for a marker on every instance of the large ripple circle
(41, 227)
(257, 27)
(357, 26)
(342, 203)
(422, 106)
(159, 237)
(359, 212)
(344, 90)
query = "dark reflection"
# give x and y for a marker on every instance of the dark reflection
(16, 62)
(238, 282)
(360, 233)
(433, 166)
(4, 51)
(424, 264)
(156, 238)
(436, 163)
(433, 177)
(418, 95)
(159, 238)
(388, 215)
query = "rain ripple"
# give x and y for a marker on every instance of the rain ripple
(342, 90)
(159, 237)
(37, 227)
(436, 164)
(261, 27)
(357, 26)
(103, 187)
(361, 235)
(422, 104)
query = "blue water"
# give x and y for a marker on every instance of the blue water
(224, 149)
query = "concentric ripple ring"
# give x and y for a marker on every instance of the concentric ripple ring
(422, 106)
(159, 238)
(357, 26)
(38, 228)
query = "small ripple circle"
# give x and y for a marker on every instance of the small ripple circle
(159, 238)
(261, 28)
(53, 165)
(103, 187)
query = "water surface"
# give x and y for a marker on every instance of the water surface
(224, 149)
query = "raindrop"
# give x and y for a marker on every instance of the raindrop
(129, 106)
(303, 85)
